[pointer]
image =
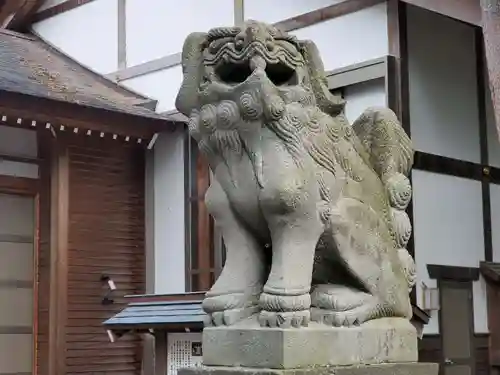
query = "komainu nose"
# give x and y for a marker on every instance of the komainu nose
(257, 62)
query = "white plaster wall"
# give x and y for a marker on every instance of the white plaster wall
(272, 11)
(363, 95)
(160, 27)
(162, 85)
(169, 237)
(350, 39)
(18, 142)
(443, 88)
(445, 121)
(448, 222)
(87, 33)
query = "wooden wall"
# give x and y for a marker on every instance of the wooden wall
(105, 238)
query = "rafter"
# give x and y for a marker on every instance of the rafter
(16, 14)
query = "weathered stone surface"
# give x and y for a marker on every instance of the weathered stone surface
(380, 369)
(248, 345)
(311, 208)
(294, 178)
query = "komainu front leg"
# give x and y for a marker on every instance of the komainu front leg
(290, 207)
(365, 247)
(236, 292)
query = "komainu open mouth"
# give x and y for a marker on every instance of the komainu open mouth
(234, 73)
(281, 74)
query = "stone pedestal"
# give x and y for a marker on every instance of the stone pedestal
(378, 369)
(246, 344)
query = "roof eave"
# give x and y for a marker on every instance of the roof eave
(74, 115)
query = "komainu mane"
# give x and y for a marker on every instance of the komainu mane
(311, 208)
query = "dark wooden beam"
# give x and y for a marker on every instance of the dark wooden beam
(397, 63)
(326, 13)
(16, 14)
(7, 10)
(396, 82)
(455, 273)
(23, 15)
(448, 166)
(463, 10)
(18, 185)
(58, 9)
(203, 229)
(483, 141)
(490, 271)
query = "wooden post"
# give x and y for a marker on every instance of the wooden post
(491, 33)
(59, 222)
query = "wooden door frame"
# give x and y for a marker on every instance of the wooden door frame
(29, 187)
(464, 276)
(457, 284)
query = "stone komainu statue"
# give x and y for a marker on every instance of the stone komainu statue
(312, 209)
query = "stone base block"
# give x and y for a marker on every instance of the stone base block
(246, 344)
(379, 369)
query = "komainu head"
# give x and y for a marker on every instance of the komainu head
(258, 67)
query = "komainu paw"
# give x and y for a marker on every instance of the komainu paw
(227, 309)
(338, 298)
(284, 319)
(339, 305)
(349, 318)
(284, 311)
(229, 317)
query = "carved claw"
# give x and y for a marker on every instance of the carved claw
(229, 317)
(285, 311)
(288, 319)
(349, 318)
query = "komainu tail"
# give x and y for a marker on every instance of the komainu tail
(391, 153)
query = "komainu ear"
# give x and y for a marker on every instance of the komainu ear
(326, 101)
(192, 69)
